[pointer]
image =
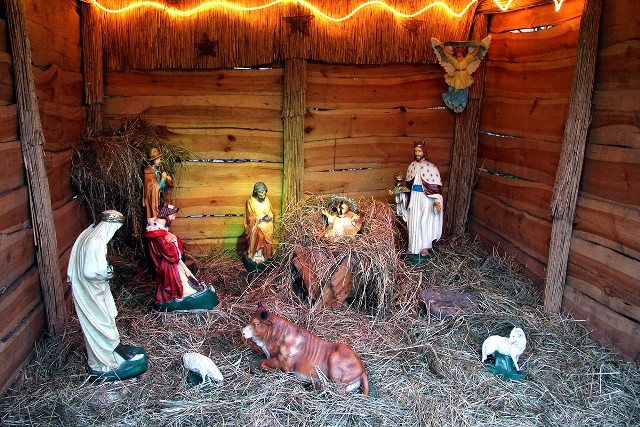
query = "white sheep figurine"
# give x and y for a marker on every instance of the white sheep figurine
(513, 346)
(202, 365)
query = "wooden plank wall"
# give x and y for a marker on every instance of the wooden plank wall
(359, 130)
(524, 109)
(603, 281)
(54, 33)
(525, 104)
(362, 121)
(231, 120)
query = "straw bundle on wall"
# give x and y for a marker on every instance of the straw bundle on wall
(92, 64)
(32, 141)
(565, 193)
(107, 172)
(147, 38)
(293, 111)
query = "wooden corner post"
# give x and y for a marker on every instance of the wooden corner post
(92, 64)
(294, 107)
(565, 192)
(32, 140)
(465, 147)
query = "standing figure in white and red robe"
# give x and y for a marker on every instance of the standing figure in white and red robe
(424, 216)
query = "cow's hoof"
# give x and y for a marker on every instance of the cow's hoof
(373, 390)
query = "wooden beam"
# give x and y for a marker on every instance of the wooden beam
(565, 194)
(33, 152)
(465, 147)
(293, 112)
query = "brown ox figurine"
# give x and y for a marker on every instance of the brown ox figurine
(291, 348)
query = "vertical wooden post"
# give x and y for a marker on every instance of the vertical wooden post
(565, 192)
(92, 64)
(294, 107)
(465, 146)
(33, 152)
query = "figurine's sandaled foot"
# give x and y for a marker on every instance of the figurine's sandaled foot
(128, 369)
(200, 301)
(128, 352)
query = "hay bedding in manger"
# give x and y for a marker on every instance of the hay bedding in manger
(371, 255)
(426, 371)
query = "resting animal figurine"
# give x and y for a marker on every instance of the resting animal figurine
(201, 364)
(290, 348)
(512, 346)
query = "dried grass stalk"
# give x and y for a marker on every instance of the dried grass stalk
(106, 170)
(426, 371)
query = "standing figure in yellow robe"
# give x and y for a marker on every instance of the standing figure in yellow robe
(459, 61)
(258, 225)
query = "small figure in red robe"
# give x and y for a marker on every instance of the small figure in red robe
(174, 280)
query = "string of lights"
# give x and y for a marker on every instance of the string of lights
(207, 5)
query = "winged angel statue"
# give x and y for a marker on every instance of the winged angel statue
(459, 60)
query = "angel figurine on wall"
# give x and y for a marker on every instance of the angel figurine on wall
(459, 60)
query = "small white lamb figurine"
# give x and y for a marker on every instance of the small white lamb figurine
(513, 346)
(202, 365)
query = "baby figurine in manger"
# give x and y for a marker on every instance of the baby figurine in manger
(338, 262)
(345, 222)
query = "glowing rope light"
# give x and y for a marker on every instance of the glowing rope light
(504, 6)
(384, 5)
(224, 4)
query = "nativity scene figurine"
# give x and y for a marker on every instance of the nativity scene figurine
(424, 204)
(177, 288)
(155, 182)
(291, 348)
(459, 60)
(258, 226)
(505, 352)
(345, 222)
(89, 273)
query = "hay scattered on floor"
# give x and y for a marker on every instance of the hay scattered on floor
(426, 371)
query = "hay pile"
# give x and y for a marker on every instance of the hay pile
(425, 371)
(106, 170)
(371, 253)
